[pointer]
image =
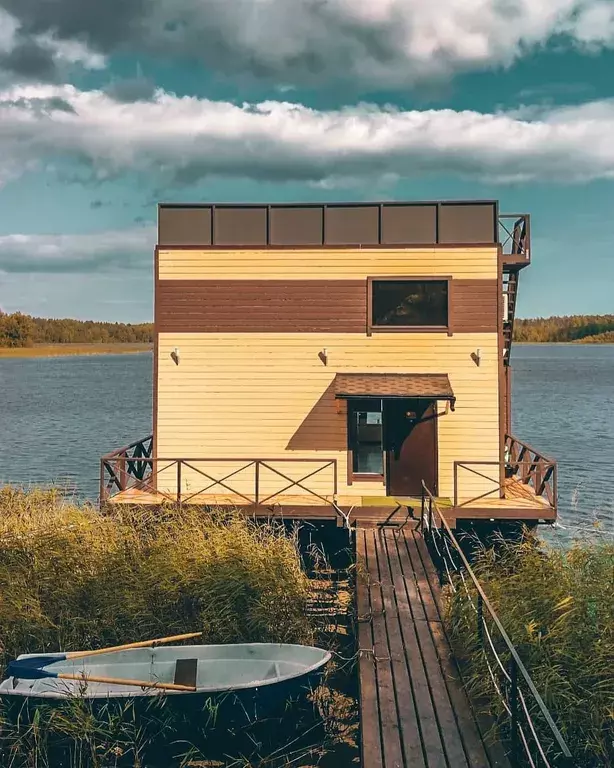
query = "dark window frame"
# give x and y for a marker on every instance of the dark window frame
(371, 328)
(354, 404)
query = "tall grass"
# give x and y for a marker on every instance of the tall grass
(71, 578)
(558, 609)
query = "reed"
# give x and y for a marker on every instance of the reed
(557, 606)
(64, 350)
(71, 578)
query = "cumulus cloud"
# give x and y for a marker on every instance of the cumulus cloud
(372, 42)
(181, 141)
(98, 251)
(40, 56)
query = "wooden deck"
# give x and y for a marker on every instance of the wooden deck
(366, 510)
(520, 502)
(414, 712)
(138, 496)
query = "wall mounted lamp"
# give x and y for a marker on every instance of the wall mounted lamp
(323, 355)
(175, 356)
(476, 357)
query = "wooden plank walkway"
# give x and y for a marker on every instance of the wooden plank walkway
(414, 711)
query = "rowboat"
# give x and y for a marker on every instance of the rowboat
(245, 668)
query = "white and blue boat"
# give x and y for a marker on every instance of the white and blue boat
(169, 671)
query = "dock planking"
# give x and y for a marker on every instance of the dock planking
(414, 711)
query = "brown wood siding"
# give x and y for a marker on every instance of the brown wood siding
(474, 306)
(308, 306)
(258, 306)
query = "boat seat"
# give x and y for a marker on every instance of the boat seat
(272, 672)
(186, 671)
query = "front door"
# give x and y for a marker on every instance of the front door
(410, 438)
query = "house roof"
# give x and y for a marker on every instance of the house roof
(434, 386)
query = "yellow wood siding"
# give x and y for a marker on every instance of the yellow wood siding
(323, 263)
(270, 396)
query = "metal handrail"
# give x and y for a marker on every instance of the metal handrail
(515, 698)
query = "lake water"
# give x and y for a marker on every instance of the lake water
(59, 415)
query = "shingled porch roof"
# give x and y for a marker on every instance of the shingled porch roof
(429, 386)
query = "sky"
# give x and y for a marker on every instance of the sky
(107, 108)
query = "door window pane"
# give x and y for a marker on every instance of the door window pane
(366, 439)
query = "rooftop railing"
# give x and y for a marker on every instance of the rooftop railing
(343, 225)
(515, 235)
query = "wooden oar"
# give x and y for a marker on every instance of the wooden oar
(142, 644)
(123, 681)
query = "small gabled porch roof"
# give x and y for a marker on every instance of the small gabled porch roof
(422, 386)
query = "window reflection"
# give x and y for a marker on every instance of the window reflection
(366, 439)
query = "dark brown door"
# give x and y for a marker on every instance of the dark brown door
(410, 436)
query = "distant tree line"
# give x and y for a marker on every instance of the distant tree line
(579, 328)
(19, 330)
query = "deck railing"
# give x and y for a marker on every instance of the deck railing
(127, 467)
(515, 235)
(533, 737)
(255, 482)
(532, 469)
(525, 473)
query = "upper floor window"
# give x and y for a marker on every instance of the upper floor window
(409, 303)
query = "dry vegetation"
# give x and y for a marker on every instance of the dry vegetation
(558, 608)
(73, 579)
(63, 350)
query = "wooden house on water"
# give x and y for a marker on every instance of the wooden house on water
(324, 361)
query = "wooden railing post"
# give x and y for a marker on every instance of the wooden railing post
(257, 481)
(525, 466)
(122, 473)
(456, 484)
(538, 476)
(179, 463)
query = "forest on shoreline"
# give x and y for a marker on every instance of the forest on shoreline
(579, 329)
(20, 330)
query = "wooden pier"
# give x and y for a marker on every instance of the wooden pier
(414, 711)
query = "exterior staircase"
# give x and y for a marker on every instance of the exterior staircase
(510, 292)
